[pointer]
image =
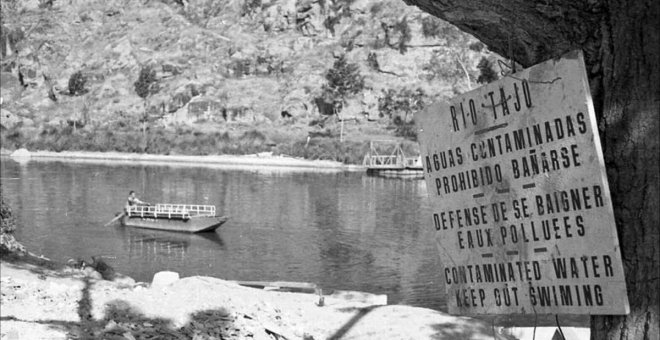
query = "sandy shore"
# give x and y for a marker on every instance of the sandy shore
(39, 303)
(262, 160)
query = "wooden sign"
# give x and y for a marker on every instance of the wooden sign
(521, 205)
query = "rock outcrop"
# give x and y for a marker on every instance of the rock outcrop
(224, 60)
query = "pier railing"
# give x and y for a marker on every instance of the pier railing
(171, 211)
(383, 161)
(396, 159)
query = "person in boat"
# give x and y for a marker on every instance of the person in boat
(133, 200)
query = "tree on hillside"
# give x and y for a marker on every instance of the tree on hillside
(621, 43)
(450, 66)
(145, 86)
(343, 79)
(400, 107)
(451, 59)
(401, 104)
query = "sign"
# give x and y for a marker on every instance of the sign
(520, 200)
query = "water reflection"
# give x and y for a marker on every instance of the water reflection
(152, 244)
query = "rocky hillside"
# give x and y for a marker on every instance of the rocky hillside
(224, 65)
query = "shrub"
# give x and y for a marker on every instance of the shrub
(253, 136)
(376, 8)
(405, 35)
(12, 138)
(406, 101)
(240, 67)
(398, 106)
(77, 83)
(201, 12)
(406, 130)
(9, 37)
(8, 243)
(348, 152)
(250, 6)
(372, 61)
(442, 66)
(7, 220)
(147, 82)
(46, 4)
(336, 10)
(477, 46)
(431, 27)
(486, 72)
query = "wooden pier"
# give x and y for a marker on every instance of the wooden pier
(386, 158)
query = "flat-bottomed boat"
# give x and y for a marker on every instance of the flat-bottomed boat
(189, 218)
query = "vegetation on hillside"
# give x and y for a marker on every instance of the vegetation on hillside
(343, 79)
(400, 107)
(183, 141)
(147, 82)
(8, 243)
(77, 84)
(486, 72)
(132, 73)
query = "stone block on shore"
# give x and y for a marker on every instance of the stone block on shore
(163, 279)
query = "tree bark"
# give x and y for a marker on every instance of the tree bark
(621, 43)
(629, 130)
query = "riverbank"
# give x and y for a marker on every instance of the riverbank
(286, 141)
(63, 303)
(265, 159)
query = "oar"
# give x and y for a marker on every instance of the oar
(114, 219)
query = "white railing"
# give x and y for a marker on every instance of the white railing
(164, 210)
(386, 161)
(193, 209)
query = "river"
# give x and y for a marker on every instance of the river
(340, 230)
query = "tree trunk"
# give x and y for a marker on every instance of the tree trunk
(144, 125)
(629, 130)
(621, 43)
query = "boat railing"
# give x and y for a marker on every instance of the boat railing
(171, 211)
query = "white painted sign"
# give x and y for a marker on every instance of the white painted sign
(520, 200)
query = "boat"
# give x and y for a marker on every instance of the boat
(387, 159)
(188, 218)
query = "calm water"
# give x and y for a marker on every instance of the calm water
(340, 230)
